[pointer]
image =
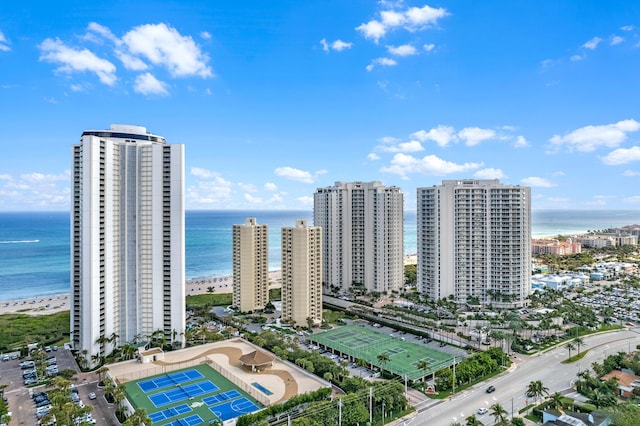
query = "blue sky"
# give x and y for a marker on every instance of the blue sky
(274, 99)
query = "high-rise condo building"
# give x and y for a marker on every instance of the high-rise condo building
(127, 240)
(362, 229)
(250, 266)
(474, 242)
(302, 274)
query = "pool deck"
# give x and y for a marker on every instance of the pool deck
(284, 380)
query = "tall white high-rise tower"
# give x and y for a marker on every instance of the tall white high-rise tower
(127, 240)
(302, 274)
(474, 242)
(362, 228)
(250, 266)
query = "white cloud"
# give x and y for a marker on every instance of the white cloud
(4, 43)
(411, 146)
(521, 142)
(589, 138)
(102, 31)
(37, 191)
(131, 62)
(537, 182)
(622, 156)
(631, 173)
(249, 187)
(392, 18)
(558, 173)
(295, 174)
(388, 139)
(475, 135)
(147, 84)
(627, 28)
(403, 50)
(386, 62)
(403, 164)
(615, 39)
(632, 200)
(74, 60)
(325, 45)
(420, 17)
(593, 43)
(165, 46)
(429, 47)
(576, 58)
(442, 135)
(373, 156)
(252, 199)
(373, 30)
(489, 173)
(340, 45)
(270, 186)
(412, 19)
(305, 200)
(205, 35)
(547, 63)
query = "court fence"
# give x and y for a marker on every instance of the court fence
(248, 388)
(159, 369)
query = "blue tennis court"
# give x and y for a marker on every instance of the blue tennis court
(169, 412)
(170, 379)
(225, 396)
(187, 421)
(235, 408)
(181, 393)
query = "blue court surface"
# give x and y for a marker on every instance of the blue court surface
(225, 396)
(235, 408)
(169, 412)
(170, 379)
(187, 421)
(181, 393)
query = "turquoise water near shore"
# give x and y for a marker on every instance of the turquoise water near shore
(34, 246)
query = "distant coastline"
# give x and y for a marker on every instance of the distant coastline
(34, 246)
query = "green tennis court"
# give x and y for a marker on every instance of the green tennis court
(168, 402)
(360, 342)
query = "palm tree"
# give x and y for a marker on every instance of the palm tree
(139, 417)
(556, 400)
(100, 372)
(423, 365)
(578, 342)
(570, 346)
(499, 413)
(383, 358)
(537, 389)
(472, 420)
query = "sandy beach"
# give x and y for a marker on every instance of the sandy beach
(56, 303)
(46, 305)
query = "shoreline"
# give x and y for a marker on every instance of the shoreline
(53, 303)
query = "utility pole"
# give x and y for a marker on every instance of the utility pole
(370, 406)
(454, 374)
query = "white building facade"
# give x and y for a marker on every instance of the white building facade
(474, 242)
(127, 240)
(302, 274)
(362, 225)
(250, 266)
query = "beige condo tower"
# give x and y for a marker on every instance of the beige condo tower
(302, 274)
(250, 266)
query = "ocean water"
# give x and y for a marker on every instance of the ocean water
(34, 246)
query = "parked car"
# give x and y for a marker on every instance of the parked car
(92, 396)
(482, 410)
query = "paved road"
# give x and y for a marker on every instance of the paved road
(511, 387)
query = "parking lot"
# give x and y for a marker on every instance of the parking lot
(23, 407)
